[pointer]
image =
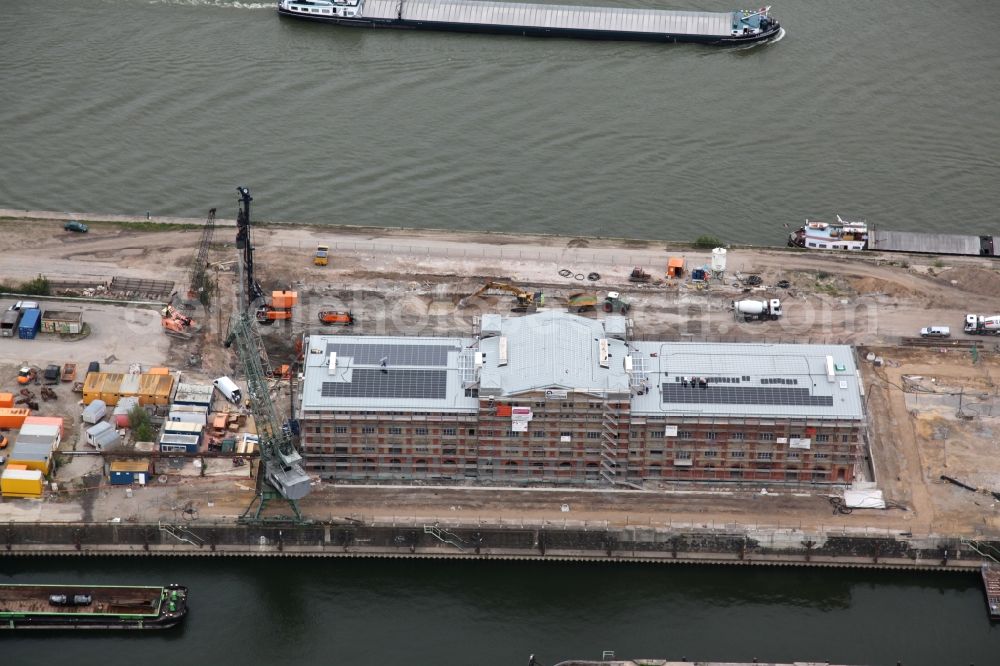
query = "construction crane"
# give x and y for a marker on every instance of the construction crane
(199, 286)
(281, 474)
(526, 300)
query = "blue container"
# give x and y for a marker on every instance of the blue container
(31, 323)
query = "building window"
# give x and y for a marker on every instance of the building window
(682, 455)
(684, 434)
(845, 438)
(737, 435)
(711, 453)
(566, 433)
(395, 430)
(538, 434)
(711, 435)
(737, 454)
(822, 438)
(340, 430)
(448, 431)
(420, 431)
(510, 433)
(472, 432)
(820, 456)
(764, 455)
(767, 436)
(657, 453)
(656, 434)
(593, 435)
(368, 430)
(793, 455)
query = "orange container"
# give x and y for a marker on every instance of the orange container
(284, 299)
(13, 417)
(6, 399)
(158, 371)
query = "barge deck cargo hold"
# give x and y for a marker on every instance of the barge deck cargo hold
(537, 20)
(91, 606)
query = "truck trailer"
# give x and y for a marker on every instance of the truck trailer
(982, 324)
(752, 310)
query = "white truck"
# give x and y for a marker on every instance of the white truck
(752, 310)
(982, 324)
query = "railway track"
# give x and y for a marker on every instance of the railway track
(947, 343)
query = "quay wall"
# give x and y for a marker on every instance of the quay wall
(610, 544)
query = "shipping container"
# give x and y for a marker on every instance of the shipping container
(31, 323)
(13, 417)
(158, 371)
(103, 436)
(6, 399)
(21, 483)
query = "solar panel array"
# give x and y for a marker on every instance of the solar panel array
(401, 354)
(743, 395)
(394, 383)
(778, 380)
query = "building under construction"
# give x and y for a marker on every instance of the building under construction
(556, 398)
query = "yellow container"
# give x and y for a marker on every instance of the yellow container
(21, 483)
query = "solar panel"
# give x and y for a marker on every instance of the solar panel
(743, 395)
(395, 383)
(401, 354)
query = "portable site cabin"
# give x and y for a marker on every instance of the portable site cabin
(22, 483)
(49, 440)
(190, 413)
(46, 420)
(675, 267)
(127, 472)
(103, 436)
(95, 412)
(194, 394)
(33, 455)
(123, 409)
(170, 443)
(13, 417)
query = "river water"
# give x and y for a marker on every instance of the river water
(880, 109)
(308, 611)
(883, 109)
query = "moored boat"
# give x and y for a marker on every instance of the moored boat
(91, 606)
(618, 23)
(843, 234)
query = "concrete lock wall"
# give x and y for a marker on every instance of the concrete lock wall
(639, 544)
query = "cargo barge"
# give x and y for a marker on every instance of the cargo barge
(537, 20)
(854, 234)
(91, 606)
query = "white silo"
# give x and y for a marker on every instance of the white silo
(719, 261)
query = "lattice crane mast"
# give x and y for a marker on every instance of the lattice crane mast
(281, 474)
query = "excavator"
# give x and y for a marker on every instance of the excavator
(526, 300)
(175, 323)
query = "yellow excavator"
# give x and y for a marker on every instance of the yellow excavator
(526, 300)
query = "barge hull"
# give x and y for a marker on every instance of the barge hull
(537, 31)
(90, 607)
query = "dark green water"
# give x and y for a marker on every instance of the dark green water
(882, 109)
(287, 611)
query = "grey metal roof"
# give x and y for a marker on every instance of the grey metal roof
(552, 349)
(911, 241)
(621, 19)
(762, 380)
(419, 374)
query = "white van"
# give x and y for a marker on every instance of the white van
(228, 388)
(935, 332)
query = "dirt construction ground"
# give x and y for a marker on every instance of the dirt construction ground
(933, 411)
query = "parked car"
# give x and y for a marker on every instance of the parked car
(74, 225)
(935, 332)
(23, 305)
